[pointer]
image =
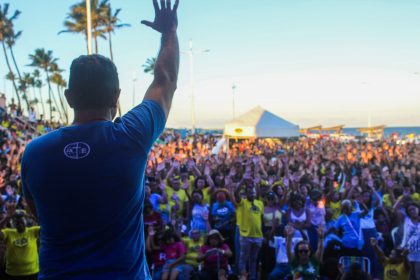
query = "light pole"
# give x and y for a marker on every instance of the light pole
(134, 88)
(89, 27)
(191, 52)
(233, 99)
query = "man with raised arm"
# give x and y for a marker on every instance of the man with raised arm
(85, 182)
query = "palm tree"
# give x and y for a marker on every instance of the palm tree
(57, 78)
(76, 20)
(44, 59)
(111, 22)
(30, 82)
(38, 84)
(149, 66)
(6, 27)
(10, 41)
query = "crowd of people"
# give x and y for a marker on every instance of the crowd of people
(266, 209)
(253, 209)
(19, 235)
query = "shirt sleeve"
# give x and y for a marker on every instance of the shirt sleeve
(5, 233)
(144, 123)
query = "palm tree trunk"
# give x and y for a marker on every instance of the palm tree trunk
(56, 105)
(62, 104)
(10, 70)
(37, 104)
(49, 93)
(42, 102)
(25, 97)
(96, 41)
(110, 46)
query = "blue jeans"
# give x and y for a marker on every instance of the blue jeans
(280, 271)
(250, 247)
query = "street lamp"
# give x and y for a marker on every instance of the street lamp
(191, 52)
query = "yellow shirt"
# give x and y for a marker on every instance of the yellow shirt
(180, 195)
(40, 128)
(395, 271)
(5, 124)
(386, 200)
(192, 250)
(21, 251)
(336, 208)
(250, 218)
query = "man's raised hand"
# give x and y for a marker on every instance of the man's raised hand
(165, 16)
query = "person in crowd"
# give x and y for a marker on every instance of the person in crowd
(304, 264)
(199, 213)
(282, 267)
(21, 254)
(174, 251)
(193, 244)
(396, 266)
(154, 247)
(250, 227)
(298, 215)
(214, 254)
(349, 226)
(370, 199)
(108, 220)
(271, 221)
(411, 237)
(178, 198)
(316, 209)
(223, 217)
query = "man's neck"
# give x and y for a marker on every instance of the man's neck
(92, 115)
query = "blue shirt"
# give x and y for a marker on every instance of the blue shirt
(223, 212)
(87, 183)
(351, 232)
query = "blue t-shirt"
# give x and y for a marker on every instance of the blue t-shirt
(87, 183)
(223, 212)
(351, 232)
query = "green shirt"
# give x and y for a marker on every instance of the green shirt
(309, 271)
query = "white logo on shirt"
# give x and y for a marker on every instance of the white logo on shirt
(77, 150)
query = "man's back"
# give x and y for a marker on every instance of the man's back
(87, 185)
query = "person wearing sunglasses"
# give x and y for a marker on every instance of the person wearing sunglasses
(304, 264)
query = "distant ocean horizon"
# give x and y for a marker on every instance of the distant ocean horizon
(388, 131)
(354, 131)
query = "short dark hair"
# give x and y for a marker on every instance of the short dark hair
(93, 82)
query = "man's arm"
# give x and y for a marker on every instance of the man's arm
(167, 64)
(10, 212)
(320, 250)
(289, 235)
(379, 253)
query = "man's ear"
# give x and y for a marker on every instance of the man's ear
(69, 98)
(115, 98)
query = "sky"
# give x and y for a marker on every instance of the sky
(327, 62)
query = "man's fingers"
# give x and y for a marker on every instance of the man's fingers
(155, 4)
(147, 23)
(176, 6)
(168, 4)
(162, 4)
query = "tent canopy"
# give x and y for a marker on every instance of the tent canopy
(260, 123)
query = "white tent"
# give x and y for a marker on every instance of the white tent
(260, 123)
